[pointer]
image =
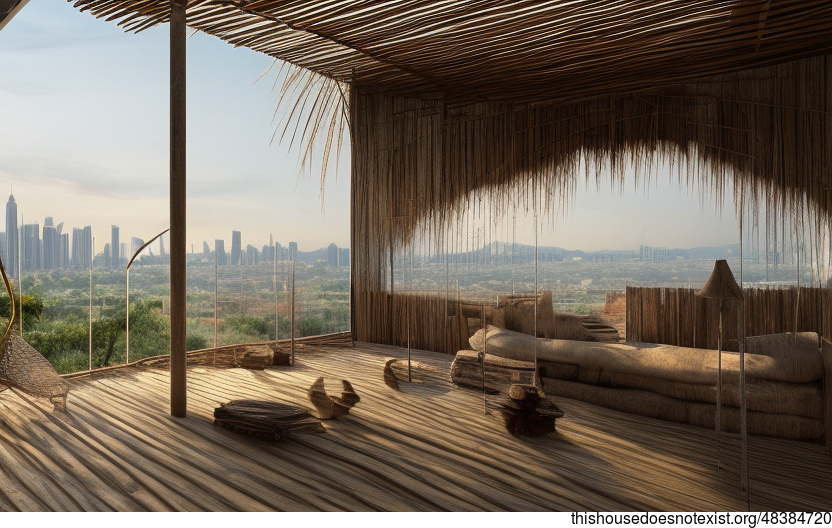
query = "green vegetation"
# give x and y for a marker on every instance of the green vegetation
(32, 309)
(58, 313)
(65, 342)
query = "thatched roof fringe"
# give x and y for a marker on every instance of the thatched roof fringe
(761, 137)
(312, 113)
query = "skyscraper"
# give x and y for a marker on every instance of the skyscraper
(206, 249)
(219, 250)
(11, 262)
(82, 247)
(236, 248)
(293, 251)
(268, 254)
(332, 255)
(31, 247)
(252, 255)
(63, 248)
(50, 245)
(115, 247)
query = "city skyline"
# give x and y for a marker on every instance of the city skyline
(50, 248)
(53, 250)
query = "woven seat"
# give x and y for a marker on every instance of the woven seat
(24, 368)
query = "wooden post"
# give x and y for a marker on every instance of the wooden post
(177, 210)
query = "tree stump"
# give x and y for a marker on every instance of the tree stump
(525, 411)
(256, 359)
(281, 358)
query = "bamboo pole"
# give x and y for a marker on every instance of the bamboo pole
(743, 404)
(178, 375)
(20, 281)
(216, 294)
(274, 287)
(92, 258)
(292, 320)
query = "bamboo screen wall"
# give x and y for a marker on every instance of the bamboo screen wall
(426, 322)
(677, 316)
(416, 163)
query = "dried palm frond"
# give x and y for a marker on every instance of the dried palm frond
(312, 114)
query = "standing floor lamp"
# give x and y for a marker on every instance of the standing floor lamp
(721, 285)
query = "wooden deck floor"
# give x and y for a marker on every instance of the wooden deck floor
(429, 447)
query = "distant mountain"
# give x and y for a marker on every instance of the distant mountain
(312, 256)
(710, 253)
(525, 253)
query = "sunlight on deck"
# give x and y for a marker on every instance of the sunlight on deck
(428, 447)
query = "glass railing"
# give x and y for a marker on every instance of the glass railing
(78, 320)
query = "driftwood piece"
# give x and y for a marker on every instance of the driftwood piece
(327, 406)
(265, 420)
(399, 370)
(390, 376)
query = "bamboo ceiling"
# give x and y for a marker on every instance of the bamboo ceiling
(494, 50)
(9, 8)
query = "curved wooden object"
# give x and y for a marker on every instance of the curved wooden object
(13, 314)
(327, 406)
(389, 376)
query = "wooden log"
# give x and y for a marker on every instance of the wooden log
(500, 373)
(265, 420)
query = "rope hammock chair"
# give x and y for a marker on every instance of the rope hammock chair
(24, 368)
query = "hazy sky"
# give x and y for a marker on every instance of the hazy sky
(84, 139)
(84, 136)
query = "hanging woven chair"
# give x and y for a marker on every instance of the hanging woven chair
(24, 368)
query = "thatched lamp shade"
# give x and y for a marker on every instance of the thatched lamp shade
(721, 284)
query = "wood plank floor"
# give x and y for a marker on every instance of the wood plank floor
(428, 447)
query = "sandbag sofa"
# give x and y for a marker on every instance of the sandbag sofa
(784, 379)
